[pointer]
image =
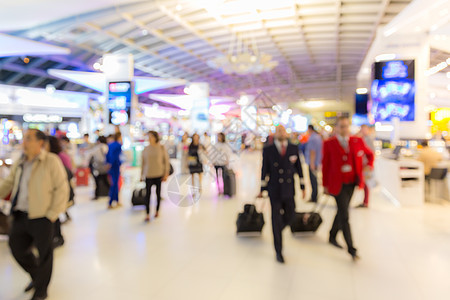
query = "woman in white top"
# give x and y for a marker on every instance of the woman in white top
(220, 155)
(183, 153)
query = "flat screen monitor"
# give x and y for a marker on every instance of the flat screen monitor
(361, 104)
(396, 152)
(119, 102)
(393, 90)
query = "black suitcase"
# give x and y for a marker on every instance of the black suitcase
(306, 222)
(139, 197)
(4, 224)
(250, 221)
(229, 183)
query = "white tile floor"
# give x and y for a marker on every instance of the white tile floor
(193, 253)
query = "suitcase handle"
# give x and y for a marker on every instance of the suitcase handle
(318, 208)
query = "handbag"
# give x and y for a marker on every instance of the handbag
(192, 160)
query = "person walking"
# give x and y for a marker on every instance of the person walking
(281, 161)
(39, 187)
(53, 145)
(220, 154)
(113, 159)
(100, 167)
(183, 152)
(155, 170)
(194, 162)
(369, 139)
(313, 157)
(342, 168)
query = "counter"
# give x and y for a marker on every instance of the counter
(401, 181)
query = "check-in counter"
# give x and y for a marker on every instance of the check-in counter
(402, 181)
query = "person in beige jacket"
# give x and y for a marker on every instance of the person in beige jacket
(155, 170)
(429, 157)
(39, 193)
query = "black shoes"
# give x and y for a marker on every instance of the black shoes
(29, 287)
(280, 258)
(35, 297)
(335, 243)
(58, 242)
(43, 297)
(362, 205)
(355, 257)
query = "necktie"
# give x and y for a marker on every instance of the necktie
(283, 150)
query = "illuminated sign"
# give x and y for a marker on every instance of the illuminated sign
(395, 69)
(119, 102)
(393, 91)
(42, 118)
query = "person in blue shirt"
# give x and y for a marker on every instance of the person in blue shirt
(313, 157)
(113, 159)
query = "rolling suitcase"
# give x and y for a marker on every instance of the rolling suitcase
(229, 183)
(250, 221)
(82, 176)
(139, 197)
(4, 224)
(307, 221)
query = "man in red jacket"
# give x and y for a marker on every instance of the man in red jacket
(342, 168)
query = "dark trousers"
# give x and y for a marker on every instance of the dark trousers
(101, 185)
(25, 234)
(313, 179)
(222, 168)
(149, 182)
(283, 213)
(57, 229)
(114, 189)
(342, 216)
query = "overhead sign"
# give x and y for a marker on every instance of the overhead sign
(42, 118)
(119, 102)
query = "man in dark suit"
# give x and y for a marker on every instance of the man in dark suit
(280, 162)
(342, 168)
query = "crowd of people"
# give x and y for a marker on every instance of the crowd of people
(40, 197)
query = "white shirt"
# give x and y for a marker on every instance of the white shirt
(22, 197)
(280, 145)
(343, 140)
(220, 154)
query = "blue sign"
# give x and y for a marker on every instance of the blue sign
(393, 91)
(395, 69)
(119, 102)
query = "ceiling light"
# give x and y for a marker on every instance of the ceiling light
(243, 58)
(97, 66)
(439, 67)
(383, 57)
(144, 32)
(179, 7)
(313, 104)
(361, 91)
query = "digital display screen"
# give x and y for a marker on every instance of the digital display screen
(393, 91)
(361, 104)
(119, 102)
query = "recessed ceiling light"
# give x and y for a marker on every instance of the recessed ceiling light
(382, 57)
(361, 91)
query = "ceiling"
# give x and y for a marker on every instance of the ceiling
(319, 44)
